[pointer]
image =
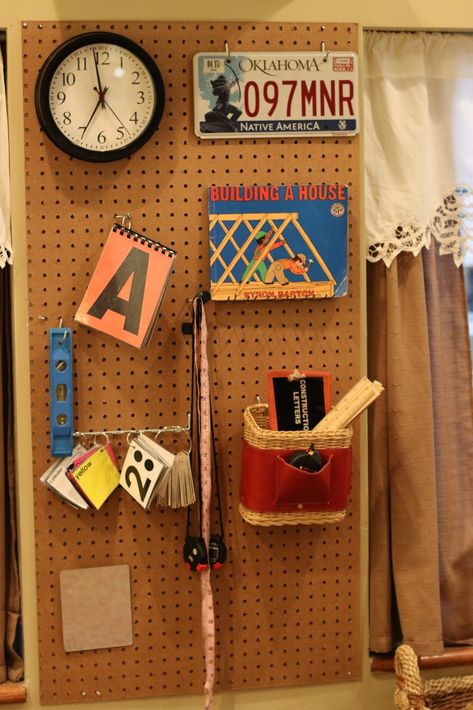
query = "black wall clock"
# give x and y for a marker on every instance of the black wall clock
(99, 96)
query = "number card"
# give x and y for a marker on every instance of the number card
(298, 400)
(266, 94)
(145, 468)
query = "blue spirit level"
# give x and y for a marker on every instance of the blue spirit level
(60, 377)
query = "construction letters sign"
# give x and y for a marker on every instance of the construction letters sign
(278, 241)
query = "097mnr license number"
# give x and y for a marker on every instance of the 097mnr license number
(299, 98)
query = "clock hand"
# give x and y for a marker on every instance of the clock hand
(99, 103)
(101, 95)
(117, 117)
(101, 92)
(91, 117)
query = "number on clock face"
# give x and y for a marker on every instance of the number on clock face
(101, 97)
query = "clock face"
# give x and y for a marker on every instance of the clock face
(99, 96)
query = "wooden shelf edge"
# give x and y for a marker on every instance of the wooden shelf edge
(12, 692)
(454, 656)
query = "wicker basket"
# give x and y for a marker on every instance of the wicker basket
(412, 693)
(268, 519)
(256, 432)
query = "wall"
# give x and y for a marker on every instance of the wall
(371, 692)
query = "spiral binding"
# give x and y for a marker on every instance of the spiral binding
(145, 241)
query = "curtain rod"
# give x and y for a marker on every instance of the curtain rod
(416, 30)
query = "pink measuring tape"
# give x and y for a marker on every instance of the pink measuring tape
(204, 424)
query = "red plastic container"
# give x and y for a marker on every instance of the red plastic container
(269, 484)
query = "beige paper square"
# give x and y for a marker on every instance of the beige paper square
(96, 607)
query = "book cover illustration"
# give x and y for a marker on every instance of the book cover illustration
(278, 242)
(125, 292)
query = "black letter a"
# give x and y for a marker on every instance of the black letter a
(135, 265)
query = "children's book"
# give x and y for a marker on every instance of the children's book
(278, 241)
(95, 475)
(126, 290)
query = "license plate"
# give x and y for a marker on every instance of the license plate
(267, 94)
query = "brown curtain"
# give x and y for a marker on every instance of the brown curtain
(11, 665)
(421, 455)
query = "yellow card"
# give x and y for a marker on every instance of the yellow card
(96, 477)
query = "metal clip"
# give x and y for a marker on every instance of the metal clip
(61, 342)
(125, 219)
(96, 439)
(322, 49)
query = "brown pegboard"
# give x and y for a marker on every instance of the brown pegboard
(287, 600)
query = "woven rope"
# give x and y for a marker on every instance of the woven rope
(256, 432)
(412, 693)
(453, 693)
(314, 518)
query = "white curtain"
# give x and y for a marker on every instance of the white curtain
(5, 238)
(419, 143)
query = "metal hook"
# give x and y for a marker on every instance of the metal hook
(322, 49)
(174, 429)
(125, 219)
(82, 438)
(63, 339)
(107, 440)
(227, 51)
(295, 375)
(131, 435)
(189, 450)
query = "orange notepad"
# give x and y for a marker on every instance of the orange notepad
(125, 292)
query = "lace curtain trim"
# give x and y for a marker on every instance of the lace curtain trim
(451, 226)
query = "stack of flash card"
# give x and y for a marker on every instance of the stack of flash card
(89, 476)
(152, 472)
(55, 478)
(146, 470)
(85, 479)
(180, 491)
